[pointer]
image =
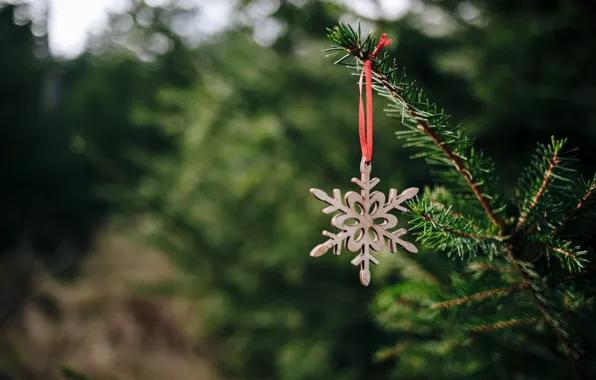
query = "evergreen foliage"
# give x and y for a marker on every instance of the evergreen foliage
(233, 133)
(524, 279)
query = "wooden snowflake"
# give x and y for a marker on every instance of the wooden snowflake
(364, 221)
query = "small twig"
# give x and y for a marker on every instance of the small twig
(509, 289)
(430, 219)
(514, 322)
(425, 127)
(457, 162)
(540, 304)
(456, 214)
(504, 324)
(564, 253)
(575, 210)
(478, 296)
(547, 177)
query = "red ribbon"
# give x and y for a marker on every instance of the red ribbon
(366, 138)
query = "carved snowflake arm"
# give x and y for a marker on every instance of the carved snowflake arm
(394, 201)
(335, 242)
(364, 259)
(394, 241)
(335, 203)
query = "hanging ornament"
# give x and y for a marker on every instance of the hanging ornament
(364, 221)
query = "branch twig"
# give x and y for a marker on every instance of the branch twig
(430, 219)
(424, 126)
(575, 210)
(547, 177)
(504, 324)
(509, 289)
(478, 296)
(538, 299)
(513, 322)
(456, 214)
(564, 253)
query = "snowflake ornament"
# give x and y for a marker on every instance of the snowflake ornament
(364, 221)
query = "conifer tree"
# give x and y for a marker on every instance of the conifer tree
(505, 288)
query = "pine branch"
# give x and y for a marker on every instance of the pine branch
(547, 177)
(508, 289)
(589, 193)
(442, 230)
(547, 169)
(478, 296)
(504, 324)
(440, 197)
(571, 256)
(428, 128)
(537, 186)
(564, 253)
(440, 142)
(456, 232)
(513, 322)
(477, 229)
(557, 324)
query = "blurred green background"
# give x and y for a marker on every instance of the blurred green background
(154, 208)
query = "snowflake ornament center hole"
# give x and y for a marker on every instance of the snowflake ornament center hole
(352, 222)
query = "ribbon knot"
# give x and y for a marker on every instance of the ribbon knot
(366, 138)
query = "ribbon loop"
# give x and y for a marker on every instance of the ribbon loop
(366, 138)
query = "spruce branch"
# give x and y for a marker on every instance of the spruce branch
(427, 127)
(571, 256)
(564, 253)
(478, 296)
(531, 281)
(440, 197)
(547, 177)
(504, 324)
(590, 190)
(474, 226)
(509, 289)
(538, 186)
(547, 169)
(544, 305)
(441, 229)
(513, 322)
